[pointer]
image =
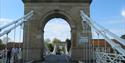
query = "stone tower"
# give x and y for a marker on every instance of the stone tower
(44, 10)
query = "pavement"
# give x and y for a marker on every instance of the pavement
(57, 59)
(2, 60)
(51, 59)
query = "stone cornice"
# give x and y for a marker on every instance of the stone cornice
(64, 1)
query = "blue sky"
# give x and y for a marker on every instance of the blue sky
(108, 13)
(57, 28)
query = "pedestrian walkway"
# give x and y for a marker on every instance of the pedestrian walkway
(57, 59)
(3, 60)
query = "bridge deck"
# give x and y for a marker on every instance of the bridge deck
(57, 59)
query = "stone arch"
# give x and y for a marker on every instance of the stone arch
(57, 14)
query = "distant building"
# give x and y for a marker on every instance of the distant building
(94, 42)
(62, 43)
(103, 44)
(14, 44)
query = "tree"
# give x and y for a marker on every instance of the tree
(0, 41)
(47, 40)
(5, 40)
(50, 46)
(2, 46)
(68, 44)
(123, 36)
(56, 41)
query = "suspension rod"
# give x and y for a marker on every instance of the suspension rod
(14, 22)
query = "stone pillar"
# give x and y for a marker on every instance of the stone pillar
(73, 43)
(82, 50)
(33, 43)
(85, 47)
(73, 38)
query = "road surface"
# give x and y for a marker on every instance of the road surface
(57, 59)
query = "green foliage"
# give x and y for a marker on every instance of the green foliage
(6, 39)
(56, 41)
(2, 46)
(68, 44)
(0, 41)
(47, 40)
(63, 49)
(50, 46)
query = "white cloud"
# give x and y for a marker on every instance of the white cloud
(4, 21)
(57, 28)
(123, 12)
(111, 22)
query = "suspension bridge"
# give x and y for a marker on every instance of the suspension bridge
(84, 48)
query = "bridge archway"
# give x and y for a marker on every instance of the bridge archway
(59, 14)
(57, 29)
(33, 42)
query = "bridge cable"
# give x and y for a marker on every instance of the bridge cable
(89, 42)
(6, 48)
(98, 42)
(29, 15)
(87, 38)
(92, 47)
(98, 45)
(120, 40)
(20, 44)
(14, 44)
(112, 43)
(93, 43)
(25, 17)
(105, 57)
(105, 46)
